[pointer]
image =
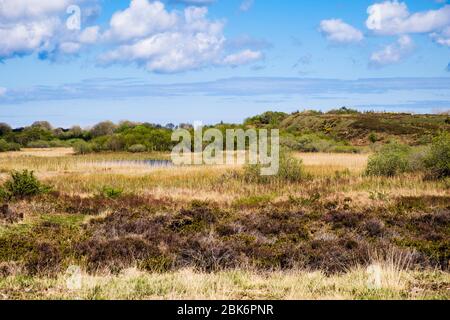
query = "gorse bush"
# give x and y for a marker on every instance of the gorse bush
(392, 159)
(22, 185)
(437, 162)
(290, 170)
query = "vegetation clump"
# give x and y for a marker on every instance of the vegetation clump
(137, 148)
(437, 161)
(5, 146)
(112, 193)
(390, 161)
(290, 171)
(82, 147)
(22, 185)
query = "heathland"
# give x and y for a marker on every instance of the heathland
(360, 210)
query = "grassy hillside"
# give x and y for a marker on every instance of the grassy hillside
(359, 129)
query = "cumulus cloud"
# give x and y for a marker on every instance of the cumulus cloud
(30, 26)
(89, 35)
(142, 18)
(164, 41)
(393, 53)
(393, 17)
(24, 9)
(336, 30)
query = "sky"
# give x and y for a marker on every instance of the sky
(84, 61)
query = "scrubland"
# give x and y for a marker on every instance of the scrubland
(207, 232)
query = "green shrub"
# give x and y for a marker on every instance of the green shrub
(390, 161)
(5, 146)
(344, 149)
(23, 184)
(82, 147)
(437, 162)
(290, 170)
(137, 148)
(111, 193)
(417, 158)
(373, 137)
(14, 146)
(58, 144)
(39, 144)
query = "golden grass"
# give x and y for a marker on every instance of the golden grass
(334, 175)
(232, 285)
(324, 164)
(34, 152)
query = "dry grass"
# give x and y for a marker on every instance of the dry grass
(231, 285)
(334, 176)
(323, 164)
(86, 174)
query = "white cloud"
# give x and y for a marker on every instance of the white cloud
(25, 9)
(70, 47)
(32, 26)
(169, 42)
(2, 91)
(141, 19)
(244, 57)
(442, 38)
(337, 31)
(393, 17)
(25, 38)
(89, 35)
(393, 53)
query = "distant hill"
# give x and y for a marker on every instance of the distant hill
(354, 127)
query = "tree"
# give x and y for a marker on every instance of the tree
(76, 132)
(42, 124)
(4, 129)
(104, 128)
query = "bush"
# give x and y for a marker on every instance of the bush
(22, 185)
(290, 170)
(14, 146)
(5, 146)
(390, 161)
(373, 137)
(111, 193)
(39, 144)
(437, 162)
(137, 148)
(82, 147)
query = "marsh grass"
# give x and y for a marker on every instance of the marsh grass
(337, 202)
(233, 284)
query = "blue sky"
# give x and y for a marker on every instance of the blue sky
(205, 60)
